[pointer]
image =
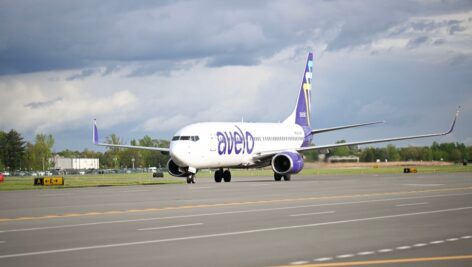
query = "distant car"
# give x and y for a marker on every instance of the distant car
(158, 173)
(6, 174)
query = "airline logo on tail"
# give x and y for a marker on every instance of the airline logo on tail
(303, 111)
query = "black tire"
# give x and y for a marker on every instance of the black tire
(218, 176)
(287, 177)
(277, 177)
(189, 180)
(227, 176)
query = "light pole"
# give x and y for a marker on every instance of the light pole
(132, 160)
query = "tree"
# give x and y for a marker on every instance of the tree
(368, 155)
(311, 155)
(42, 151)
(2, 149)
(392, 153)
(113, 153)
(12, 147)
(341, 151)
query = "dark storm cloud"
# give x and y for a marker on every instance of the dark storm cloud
(417, 41)
(43, 104)
(54, 35)
(82, 75)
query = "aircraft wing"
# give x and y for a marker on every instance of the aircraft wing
(264, 155)
(381, 140)
(95, 142)
(317, 131)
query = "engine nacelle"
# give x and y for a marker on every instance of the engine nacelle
(287, 163)
(174, 170)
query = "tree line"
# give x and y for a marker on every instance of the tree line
(116, 158)
(18, 154)
(451, 152)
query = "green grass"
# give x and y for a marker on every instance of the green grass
(71, 181)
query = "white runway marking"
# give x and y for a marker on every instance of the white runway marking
(224, 213)
(403, 247)
(253, 231)
(323, 259)
(313, 213)
(466, 236)
(386, 250)
(169, 227)
(345, 256)
(411, 204)
(299, 262)
(420, 245)
(364, 253)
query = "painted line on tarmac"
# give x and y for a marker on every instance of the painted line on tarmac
(387, 250)
(229, 204)
(313, 213)
(169, 227)
(220, 213)
(254, 231)
(411, 204)
(391, 261)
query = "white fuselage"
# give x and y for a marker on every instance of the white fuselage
(231, 144)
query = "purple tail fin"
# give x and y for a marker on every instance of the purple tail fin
(302, 112)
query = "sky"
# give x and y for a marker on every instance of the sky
(152, 67)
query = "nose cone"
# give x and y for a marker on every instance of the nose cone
(179, 153)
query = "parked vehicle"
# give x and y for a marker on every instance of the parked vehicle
(158, 173)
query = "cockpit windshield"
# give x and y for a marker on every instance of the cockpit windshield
(194, 138)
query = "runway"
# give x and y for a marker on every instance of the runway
(361, 220)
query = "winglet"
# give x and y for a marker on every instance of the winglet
(454, 121)
(95, 132)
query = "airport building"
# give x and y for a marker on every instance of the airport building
(61, 163)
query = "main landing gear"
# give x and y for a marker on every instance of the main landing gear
(191, 178)
(222, 175)
(279, 177)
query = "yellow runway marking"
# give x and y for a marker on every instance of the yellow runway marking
(377, 262)
(198, 206)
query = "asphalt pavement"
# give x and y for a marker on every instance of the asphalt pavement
(356, 220)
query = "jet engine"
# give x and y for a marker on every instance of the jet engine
(287, 163)
(174, 170)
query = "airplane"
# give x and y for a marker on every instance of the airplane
(231, 145)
